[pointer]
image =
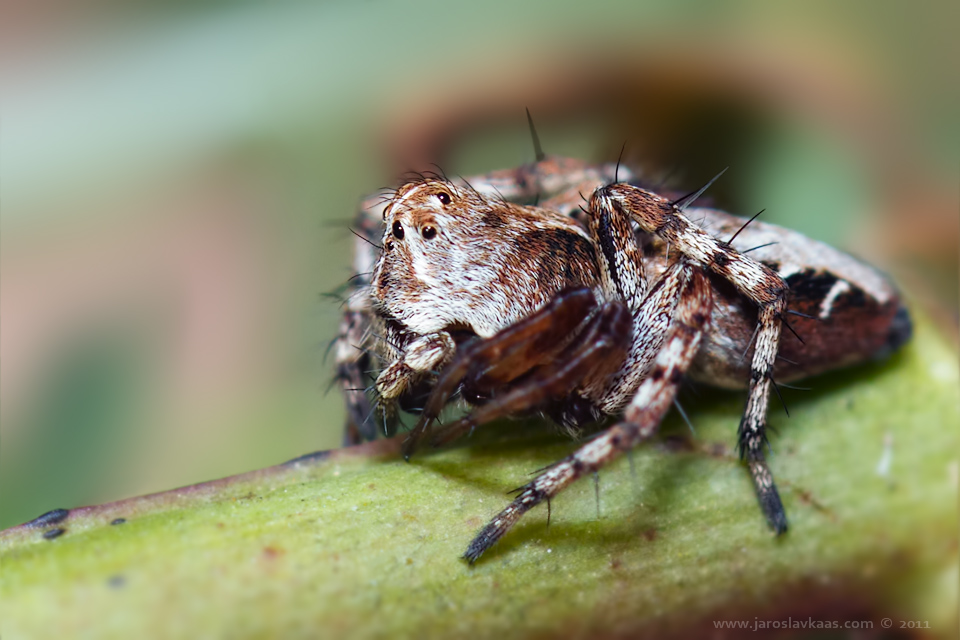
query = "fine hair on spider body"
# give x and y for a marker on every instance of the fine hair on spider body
(584, 312)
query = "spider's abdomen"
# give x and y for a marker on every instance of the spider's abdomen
(840, 310)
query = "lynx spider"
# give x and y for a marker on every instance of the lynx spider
(467, 287)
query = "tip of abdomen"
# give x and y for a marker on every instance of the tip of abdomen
(899, 333)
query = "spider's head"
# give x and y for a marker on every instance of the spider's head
(435, 243)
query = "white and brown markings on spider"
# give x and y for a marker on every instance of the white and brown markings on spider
(465, 289)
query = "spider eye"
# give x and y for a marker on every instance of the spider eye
(429, 233)
(444, 198)
(398, 230)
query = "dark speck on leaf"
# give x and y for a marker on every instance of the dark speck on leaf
(116, 582)
(50, 534)
(118, 521)
(50, 517)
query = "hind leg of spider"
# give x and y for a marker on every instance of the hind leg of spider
(498, 360)
(352, 360)
(594, 355)
(641, 418)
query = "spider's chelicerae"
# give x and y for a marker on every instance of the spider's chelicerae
(579, 311)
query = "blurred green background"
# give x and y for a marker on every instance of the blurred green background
(178, 179)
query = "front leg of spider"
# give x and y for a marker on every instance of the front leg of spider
(488, 365)
(754, 280)
(641, 418)
(537, 361)
(595, 353)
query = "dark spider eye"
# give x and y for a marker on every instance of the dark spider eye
(388, 245)
(444, 198)
(398, 230)
(429, 232)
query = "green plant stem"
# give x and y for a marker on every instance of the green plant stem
(357, 542)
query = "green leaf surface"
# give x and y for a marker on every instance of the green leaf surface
(357, 542)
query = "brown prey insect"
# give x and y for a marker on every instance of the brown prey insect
(465, 288)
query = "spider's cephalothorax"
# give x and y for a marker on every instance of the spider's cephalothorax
(584, 312)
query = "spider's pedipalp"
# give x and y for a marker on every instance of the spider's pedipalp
(420, 356)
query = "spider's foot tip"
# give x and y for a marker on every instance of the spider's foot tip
(407, 450)
(779, 527)
(472, 555)
(777, 521)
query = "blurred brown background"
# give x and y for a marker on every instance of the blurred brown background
(178, 179)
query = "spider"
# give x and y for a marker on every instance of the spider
(504, 290)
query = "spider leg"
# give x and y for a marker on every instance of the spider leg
(652, 400)
(545, 179)
(509, 354)
(596, 353)
(752, 279)
(352, 361)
